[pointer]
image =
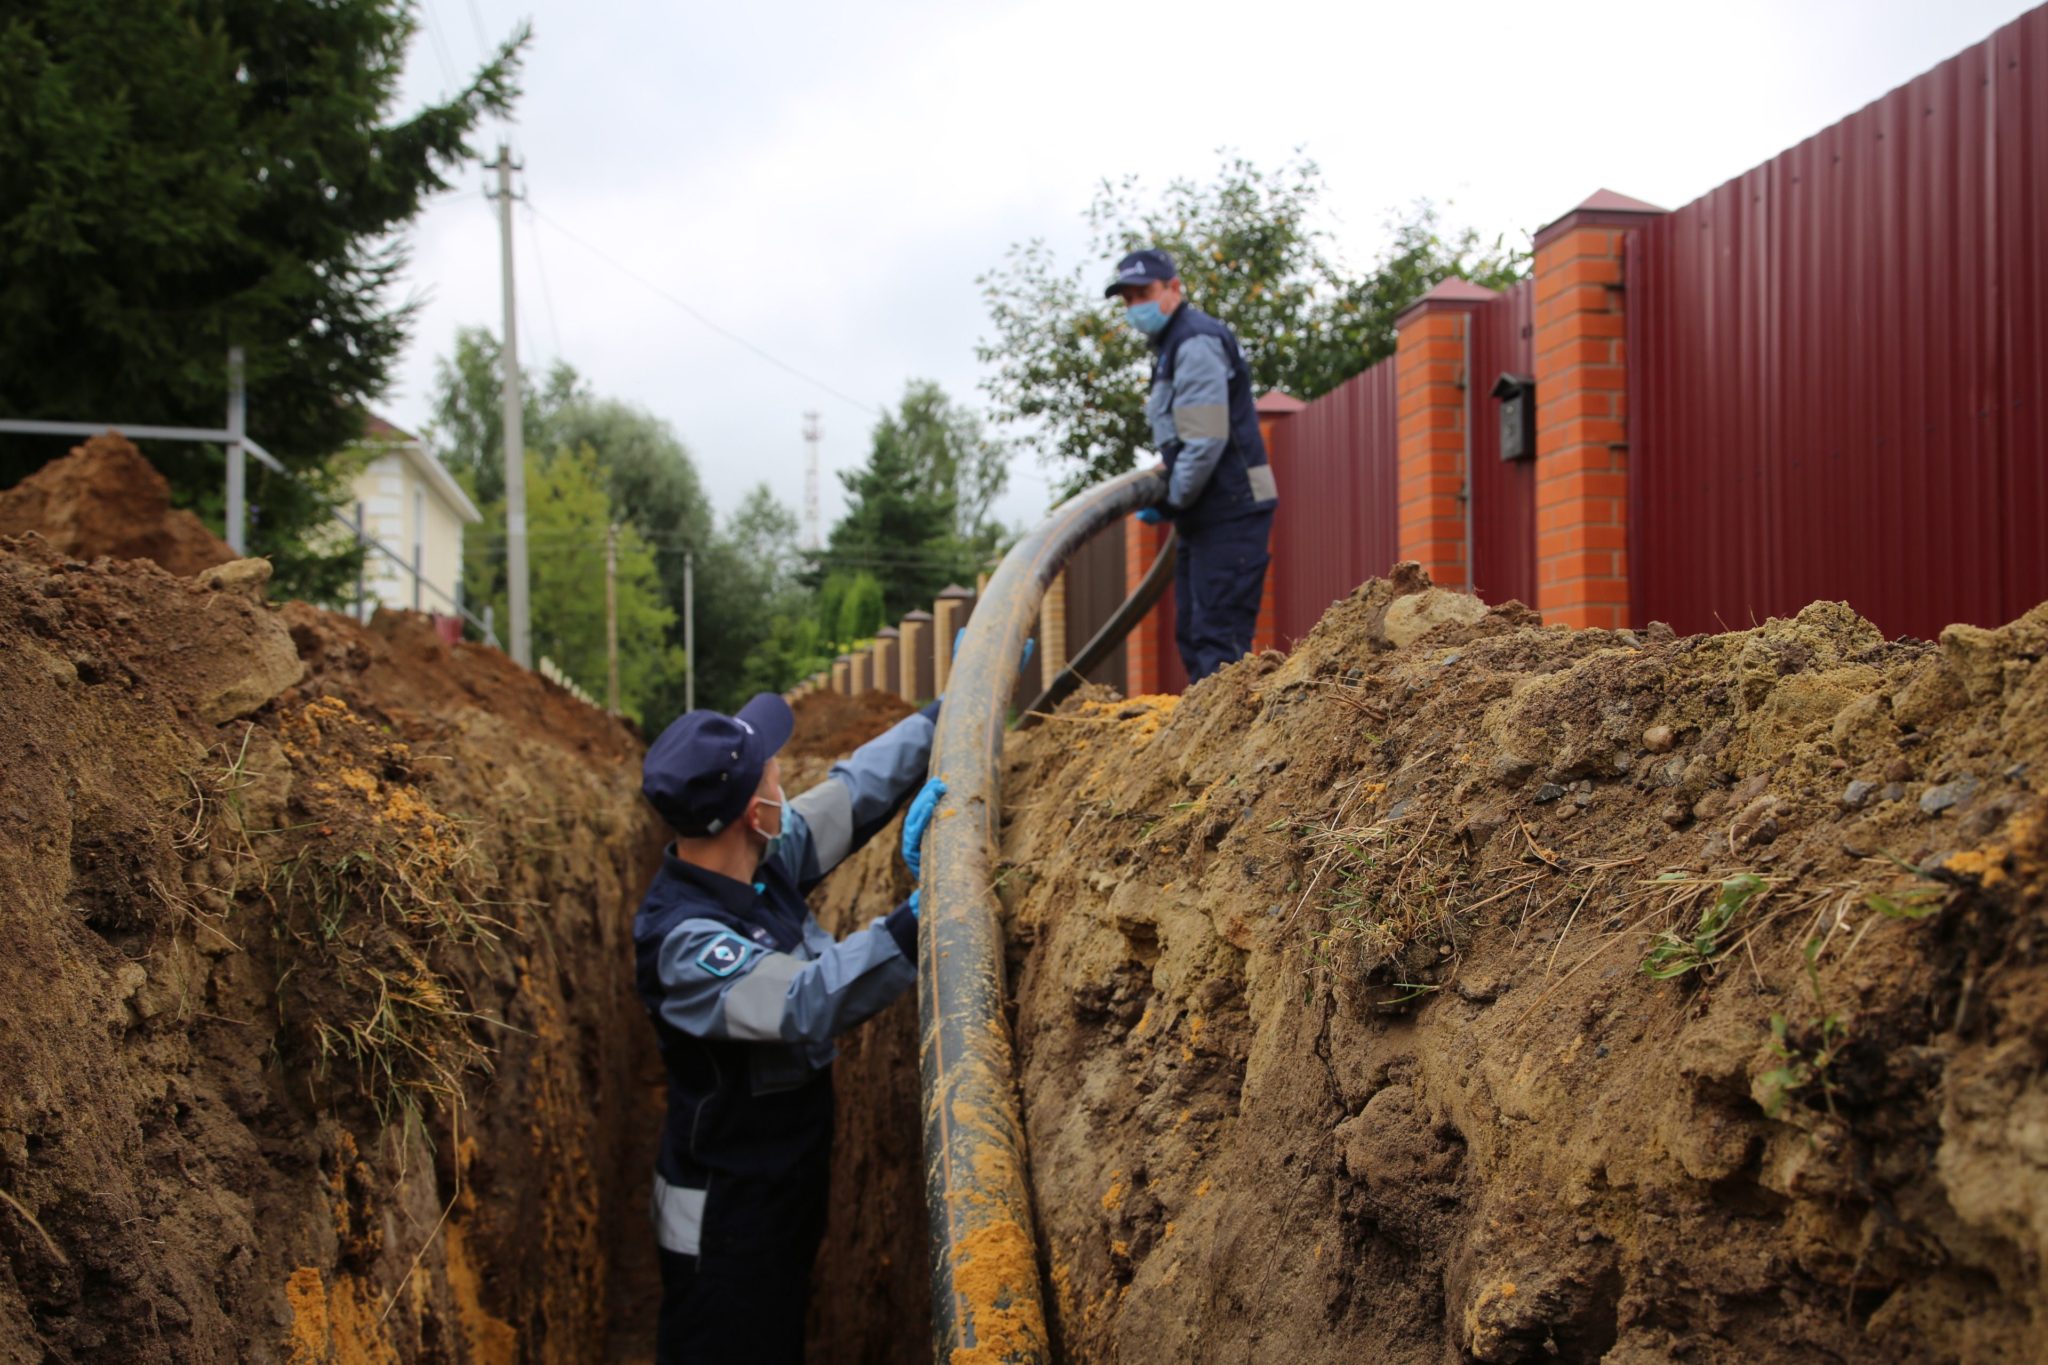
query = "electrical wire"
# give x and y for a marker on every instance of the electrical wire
(439, 45)
(547, 295)
(693, 313)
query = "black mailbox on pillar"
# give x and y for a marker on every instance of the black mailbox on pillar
(1517, 395)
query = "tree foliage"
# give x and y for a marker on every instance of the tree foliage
(917, 511)
(569, 512)
(1071, 374)
(181, 176)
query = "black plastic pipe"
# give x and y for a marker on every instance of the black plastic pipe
(987, 1303)
(1150, 589)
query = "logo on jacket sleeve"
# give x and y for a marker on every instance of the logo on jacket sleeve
(724, 955)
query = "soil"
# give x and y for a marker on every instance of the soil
(104, 498)
(318, 1043)
(1339, 1043)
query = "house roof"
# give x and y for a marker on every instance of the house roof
(379, 432)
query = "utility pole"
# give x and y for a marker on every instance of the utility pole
(811, 435)
(238, 459)
(611, 616)
(514, 426)
(689, 630)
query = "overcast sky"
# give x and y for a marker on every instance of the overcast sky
(826, 180)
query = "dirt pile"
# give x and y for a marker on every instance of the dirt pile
(316, 1034)
(1519, 993)
(105, 499)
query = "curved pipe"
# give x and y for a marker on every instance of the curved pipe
(987, 1305)
(1120, 624)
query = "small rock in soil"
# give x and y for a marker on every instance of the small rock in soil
(1938, 799)
(1893, 791)
(1857, 794)
(1658, 739)
(1898, 770)
(1548, 793)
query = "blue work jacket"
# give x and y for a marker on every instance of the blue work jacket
(1205, 424)
(746, 991)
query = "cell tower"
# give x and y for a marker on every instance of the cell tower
(812, 541)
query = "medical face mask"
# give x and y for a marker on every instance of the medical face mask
(775, 839)
(1146, 317)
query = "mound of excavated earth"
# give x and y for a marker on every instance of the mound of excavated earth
(1519, 993)
(316, 1035)
(105, 499)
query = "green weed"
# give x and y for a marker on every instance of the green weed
(1674, 955)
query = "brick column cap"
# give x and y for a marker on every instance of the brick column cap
(953, 592)
(1601, 208)
(888, 633)
(1451, 295)
(918, 615)
(1274, 403)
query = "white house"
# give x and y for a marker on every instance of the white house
(407, 500)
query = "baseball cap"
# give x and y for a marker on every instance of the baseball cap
(701, 772)
(1142, 267)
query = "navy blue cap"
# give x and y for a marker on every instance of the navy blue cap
(1141, 267)
(705, 767)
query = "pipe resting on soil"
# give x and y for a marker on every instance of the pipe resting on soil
(986, 1299)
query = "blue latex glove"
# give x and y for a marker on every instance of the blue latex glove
(1151, 516)
(917, 822)
(1023, 660)
(913, 905)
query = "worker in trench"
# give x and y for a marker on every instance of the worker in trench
(746, 993)
(1220, 492)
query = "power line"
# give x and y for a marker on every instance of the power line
(439, 45)
(547, 295)
(690, 310)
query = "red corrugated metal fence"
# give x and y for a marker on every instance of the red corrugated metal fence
(1837, 369)
(1503, 493)
(1335, 465)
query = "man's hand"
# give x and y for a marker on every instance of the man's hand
(917, 822)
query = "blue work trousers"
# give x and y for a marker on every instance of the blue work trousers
(743, 1298)
(1217, 582)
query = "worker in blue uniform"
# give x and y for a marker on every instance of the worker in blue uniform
(746, 993)
(1220, 492)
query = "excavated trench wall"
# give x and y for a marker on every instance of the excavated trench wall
(316, 1034)
(1338, 1044)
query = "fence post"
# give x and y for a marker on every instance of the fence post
(1433, 352)
(1052, 633)
(888, 654)
(1582, 413)
(842, 675)
(914, 684)
(1144, 665)
(238, 459)
(1276, 412)
(950, 612)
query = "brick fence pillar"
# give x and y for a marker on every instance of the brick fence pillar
(1144, 646)
(949, 613)
(1582, 413)
(1432, 478)
(914, 671)
(1276, 418)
